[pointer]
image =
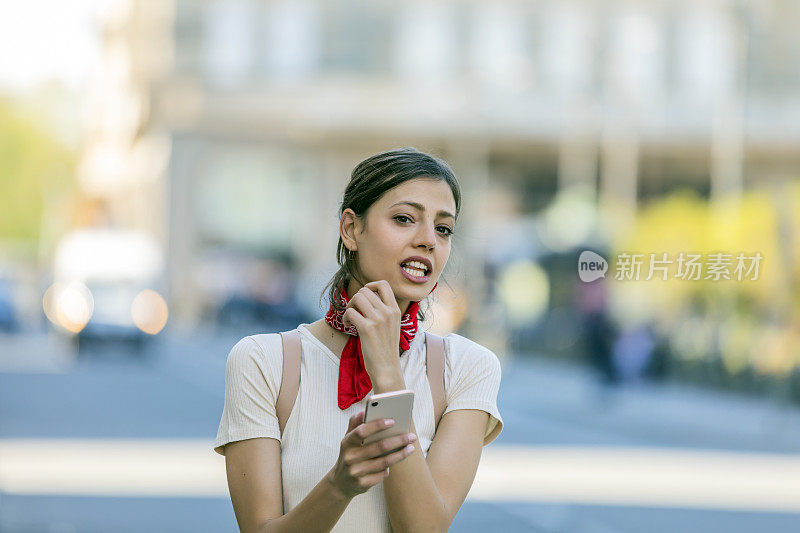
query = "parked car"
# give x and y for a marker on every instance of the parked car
(9, 321)
(107, 287)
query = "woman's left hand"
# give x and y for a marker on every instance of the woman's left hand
(376, 315)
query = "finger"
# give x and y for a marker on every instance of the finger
(385, 293)
(370, 293)
(378, 464)
(364, 430)
(349, 305)
(373, 479)
(355, 421)
(389, 444)
(362, 303)
(352, 317)
(383, 447)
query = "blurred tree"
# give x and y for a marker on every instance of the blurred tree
(682, 222)
(34, 165)
(747, 323)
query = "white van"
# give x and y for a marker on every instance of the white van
(108, 285)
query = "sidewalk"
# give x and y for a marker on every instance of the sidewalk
(666, 414)
(560, 431)
(37, 351)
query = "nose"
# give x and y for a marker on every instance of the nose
(426, 236)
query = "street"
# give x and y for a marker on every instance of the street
(121, 443)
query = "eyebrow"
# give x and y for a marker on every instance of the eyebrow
(422, 208)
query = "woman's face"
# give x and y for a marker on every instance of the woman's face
(397, 230)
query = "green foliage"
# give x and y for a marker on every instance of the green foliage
(34, 166)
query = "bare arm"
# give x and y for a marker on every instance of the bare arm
(425, 494)
(254, 479)
(421, 495)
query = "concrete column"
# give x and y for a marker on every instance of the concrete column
(618, 178)
(728, 127)
(727, 150)
(578, 150)
(182, 250)
(470, 162)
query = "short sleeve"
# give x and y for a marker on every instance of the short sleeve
(252, 383)
(474, 374)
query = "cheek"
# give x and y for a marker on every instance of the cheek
(383, 251)
(445, 254)
(391, 242)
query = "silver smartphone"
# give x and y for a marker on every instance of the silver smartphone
(397, 405)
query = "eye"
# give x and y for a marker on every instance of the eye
(403, 219)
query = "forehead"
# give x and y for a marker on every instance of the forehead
(433, 194)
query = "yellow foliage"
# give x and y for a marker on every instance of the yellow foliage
(684, 223)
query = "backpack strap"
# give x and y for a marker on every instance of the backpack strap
(290, 378)
(434, 363)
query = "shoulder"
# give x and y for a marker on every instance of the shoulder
(263, 351)
(464, 353)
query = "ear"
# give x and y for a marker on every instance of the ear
(349, 225)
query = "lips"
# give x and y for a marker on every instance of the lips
(425, 261)
(416, 279)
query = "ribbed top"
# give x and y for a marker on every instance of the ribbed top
(316, 426)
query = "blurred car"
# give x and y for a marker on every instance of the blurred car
(240, 310)
(8, 315)
(106, 287)
(246, 290)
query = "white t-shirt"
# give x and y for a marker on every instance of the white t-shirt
(316, 426)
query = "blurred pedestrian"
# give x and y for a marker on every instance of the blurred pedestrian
(633, 352)
(598, 329)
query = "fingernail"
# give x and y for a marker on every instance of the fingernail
(412, 437)
(409, 448)
(388, 423)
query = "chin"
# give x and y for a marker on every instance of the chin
(418, 292)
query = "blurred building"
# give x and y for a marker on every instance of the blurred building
(235, 124)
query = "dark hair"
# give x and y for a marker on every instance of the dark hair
(369, 181)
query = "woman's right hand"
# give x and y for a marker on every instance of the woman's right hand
(360, 467)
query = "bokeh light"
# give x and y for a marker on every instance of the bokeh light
(149, 311)
(69, 305)
(525, 290)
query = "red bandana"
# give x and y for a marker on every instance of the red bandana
(354, 380)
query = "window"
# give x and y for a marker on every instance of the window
(425, 48)
(229, 43)
(293, 35)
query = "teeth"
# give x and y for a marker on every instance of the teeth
(414, 272)
(417, 265)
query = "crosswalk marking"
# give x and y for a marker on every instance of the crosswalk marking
(664, 477)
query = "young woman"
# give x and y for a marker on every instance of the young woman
(399, 207)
